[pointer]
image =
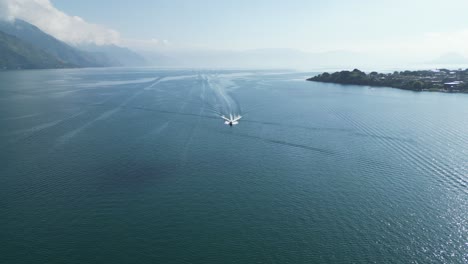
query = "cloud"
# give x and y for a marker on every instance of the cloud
(71, 29)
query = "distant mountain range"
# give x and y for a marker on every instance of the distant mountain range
(296, 59)
(259, 58)
(116, 56)
(24, 46)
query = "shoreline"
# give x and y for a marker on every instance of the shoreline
(440, 80)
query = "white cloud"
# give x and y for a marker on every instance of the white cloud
(71, 29)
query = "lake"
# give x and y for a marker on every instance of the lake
(136, 166)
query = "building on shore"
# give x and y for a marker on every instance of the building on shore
(453, 86)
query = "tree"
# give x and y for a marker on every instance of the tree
(418, 85)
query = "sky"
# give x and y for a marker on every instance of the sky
(415, 28)
(306, 25)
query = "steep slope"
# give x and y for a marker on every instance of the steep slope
(118, 56)
(17, 54)
(33, 35)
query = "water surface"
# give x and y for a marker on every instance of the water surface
(135, 166)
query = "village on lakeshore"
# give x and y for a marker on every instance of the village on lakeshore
(437, 80)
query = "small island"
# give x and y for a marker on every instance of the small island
(440, 80)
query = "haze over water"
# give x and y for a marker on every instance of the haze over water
(135, 166)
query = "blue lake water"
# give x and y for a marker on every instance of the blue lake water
(136, 166)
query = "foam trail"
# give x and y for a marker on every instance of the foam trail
(27, 133)
(20, 117)
(63, 139)
(284, 143)
(226, 105)
(159, 129)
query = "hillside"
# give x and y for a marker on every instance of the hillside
(117, 56)
(17, 54)
(62, 51)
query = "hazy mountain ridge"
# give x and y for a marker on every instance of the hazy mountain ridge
(92, 55)
(117, 56)
(55, 52)
(18, 54)
(36, 37)
(259, 58)
(278, 58)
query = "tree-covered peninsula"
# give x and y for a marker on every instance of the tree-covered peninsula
(442, 80)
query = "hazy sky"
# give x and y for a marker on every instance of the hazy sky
(413, 27)
(299, 24)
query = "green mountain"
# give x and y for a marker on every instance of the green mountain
(62, 51)
(18, 54)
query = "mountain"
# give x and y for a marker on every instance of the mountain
(203, 58)
(118, 56)
(18, 54)
(62, 51)
(260, 58)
